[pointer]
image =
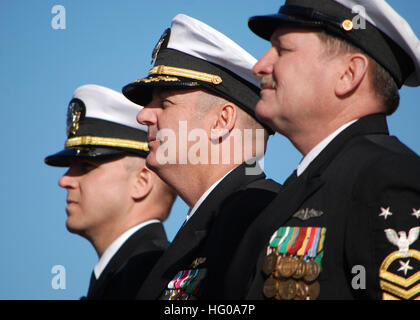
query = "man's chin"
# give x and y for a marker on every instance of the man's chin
(264, 116)
(151, 162)
(74, 228)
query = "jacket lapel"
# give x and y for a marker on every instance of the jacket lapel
(297, 189)
(141, 241)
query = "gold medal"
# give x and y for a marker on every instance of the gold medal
(286, 267)
(270, 287)
(174, 294)
(269, 263)
(312, 271)
(314, 290)
(300, 269)
(166, 296)
(286, 289)
(301, 290)
(184, 296)
(276, 267)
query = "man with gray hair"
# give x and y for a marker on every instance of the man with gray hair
(199, 100)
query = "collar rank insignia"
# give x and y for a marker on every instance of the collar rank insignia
(305, 214)
(401, 283)
(156, 49)
(75, 112)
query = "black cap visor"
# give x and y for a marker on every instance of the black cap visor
(64, 157)
(141, 92)
(264, 26)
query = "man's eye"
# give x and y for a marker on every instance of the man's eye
(282, 50)
(165, 103)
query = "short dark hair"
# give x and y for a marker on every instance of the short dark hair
(383, 84)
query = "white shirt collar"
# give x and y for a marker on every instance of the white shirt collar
(306, 161)
(116, 245)
(203, 197)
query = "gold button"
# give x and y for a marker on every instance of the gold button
(347, 25)
(216, 80)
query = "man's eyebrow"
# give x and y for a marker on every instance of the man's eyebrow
(276, 42)
(162, 93)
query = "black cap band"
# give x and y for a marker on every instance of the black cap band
(97, 138)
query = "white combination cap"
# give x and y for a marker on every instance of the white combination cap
(100, 122)
(107, 104)
(192, 54)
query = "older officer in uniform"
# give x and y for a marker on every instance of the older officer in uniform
(201, 87)
(113, 199)
(346, 224)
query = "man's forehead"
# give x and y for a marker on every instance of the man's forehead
(289, 32)
(166, 92)
(282, 34)
(96, 160)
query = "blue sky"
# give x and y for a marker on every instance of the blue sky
(107, 43)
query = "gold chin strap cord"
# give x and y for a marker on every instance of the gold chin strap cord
(108, 142)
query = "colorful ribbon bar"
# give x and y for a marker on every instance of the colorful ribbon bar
(306, 242)
(187, 280)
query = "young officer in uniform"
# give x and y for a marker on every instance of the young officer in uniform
(346, 224)
(200, 98)
(113, 199)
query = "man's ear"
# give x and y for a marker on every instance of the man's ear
(142, 183)
(352, 75)
(224, 122)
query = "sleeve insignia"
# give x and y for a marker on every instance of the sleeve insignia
(416, 213)
(385, 213)
(401, 280)
(401, 240)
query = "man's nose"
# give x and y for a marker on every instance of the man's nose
(146, 116)
(264, 65)
(67, 180)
